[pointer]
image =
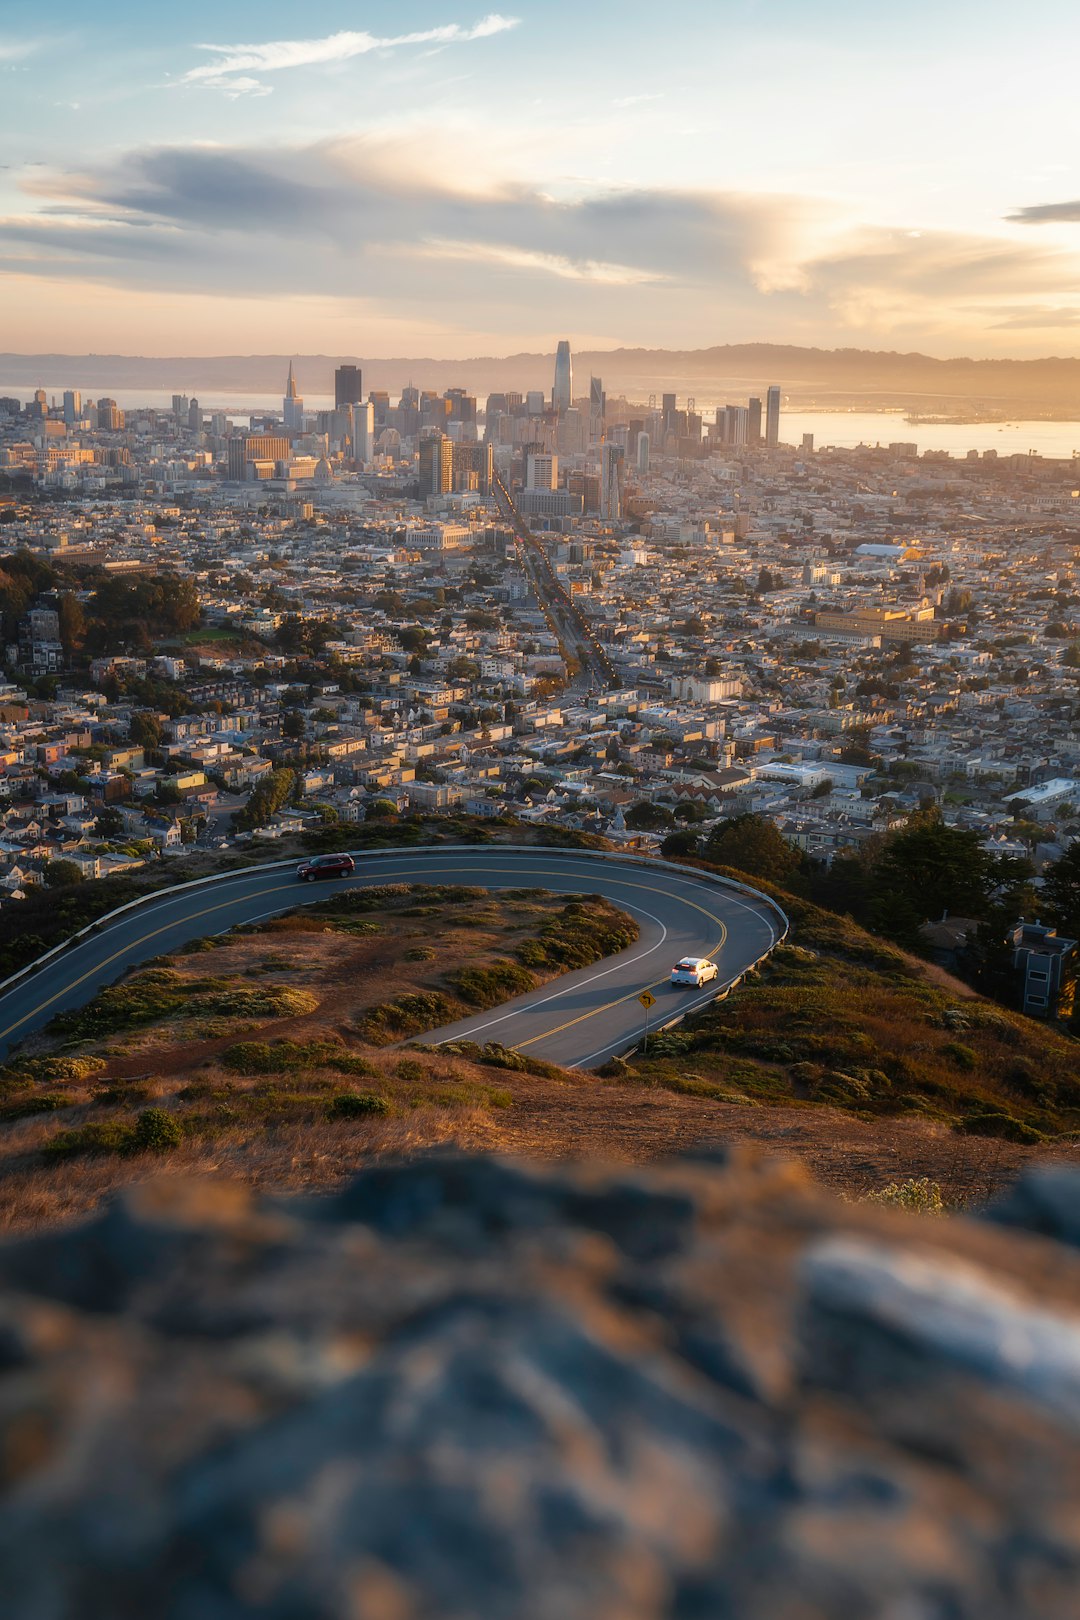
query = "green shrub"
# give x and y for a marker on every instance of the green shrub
(1002, 1125)
(356, 1105)
(41, 1070)
(409, 1069)
(420, 953)
(488, 986)
(921, 1196)
(964, 1057)
(110, 1136)
(157, 1131)
(409, 1015)
(25, 1107)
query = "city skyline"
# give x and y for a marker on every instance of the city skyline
(461, 181)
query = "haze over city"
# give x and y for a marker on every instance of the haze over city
(444, 181)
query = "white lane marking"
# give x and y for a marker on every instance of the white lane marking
(689, 1007)
(580, 983)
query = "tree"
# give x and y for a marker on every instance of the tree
(294, 725)
(1061, 892)
(266, 799)
(380, 810)
(754, 846)
(925, 869)
(646, 817)
(72, 622)
(681, 843)
(145, 729)
(62, 874)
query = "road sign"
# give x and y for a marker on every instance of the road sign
(647, 999)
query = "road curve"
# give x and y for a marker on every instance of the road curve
(580, 1020)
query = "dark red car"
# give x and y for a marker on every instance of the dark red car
(325, 866)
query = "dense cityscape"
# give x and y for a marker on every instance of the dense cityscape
(566, 609)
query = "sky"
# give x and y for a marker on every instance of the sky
(440, 179)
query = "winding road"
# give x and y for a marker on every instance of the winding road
(579, 1020)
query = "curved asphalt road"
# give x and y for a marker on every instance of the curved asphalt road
(579, 1020)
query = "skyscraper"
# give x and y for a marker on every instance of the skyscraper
(562, 392)
(363, 431)
(611, 482)
(292, 406)
(436, 465)
(753, 432)
(597, 407)
(72, 406)
(347, 386)
(772, 418)
(642, 454)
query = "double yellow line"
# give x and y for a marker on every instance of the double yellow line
(284, 888)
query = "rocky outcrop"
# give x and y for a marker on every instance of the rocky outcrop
(467, 1388)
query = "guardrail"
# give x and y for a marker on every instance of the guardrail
(686, 873)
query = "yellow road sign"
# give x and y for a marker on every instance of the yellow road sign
(647, 999)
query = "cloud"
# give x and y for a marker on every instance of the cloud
(351, 219)
(234, 64)
(15, 50)
(1047, 214)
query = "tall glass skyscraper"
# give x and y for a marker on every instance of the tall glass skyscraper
(772, 418)
(562, 392)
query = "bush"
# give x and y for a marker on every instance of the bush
(408, 1015)
(25, 1107)
(921, 1196)
(357, 1105)
(157, 1131)
(488, 986)
(111, 1136)
(1001, 1125)
(43, 1069)
(965, 1057)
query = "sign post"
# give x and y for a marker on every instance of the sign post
(647, 1000)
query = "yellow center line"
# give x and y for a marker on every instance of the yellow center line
(631, 995)
(284, 888)
(133, 945)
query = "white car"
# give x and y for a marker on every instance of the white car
(694, 970)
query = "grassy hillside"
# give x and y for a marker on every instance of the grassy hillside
(838, 1017)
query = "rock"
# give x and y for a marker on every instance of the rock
(466, 1387)
(1044, 1200)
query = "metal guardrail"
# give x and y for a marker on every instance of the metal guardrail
(686, 873)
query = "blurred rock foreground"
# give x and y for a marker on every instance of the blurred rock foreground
(478, 1390)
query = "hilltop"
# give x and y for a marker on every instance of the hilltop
(870, 378)
(274, 1055)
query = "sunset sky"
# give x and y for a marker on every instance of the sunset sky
(432, 179)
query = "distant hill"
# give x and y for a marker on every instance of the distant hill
(824, 377)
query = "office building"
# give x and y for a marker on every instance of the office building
(534, 402)
(180, 407)
(611, 482)
(772, 418)
(642, 454)
(194, 417)
(245, 449)
(667, 411)
(597, 407)
(363, 431)
(473, 466)
(348, 386)
(292, 406)
(562, 392)
(72, 406)
(753, 431)
(110, 418)
(541, 472)
(436, 465)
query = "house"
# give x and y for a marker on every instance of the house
(1045, 961)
